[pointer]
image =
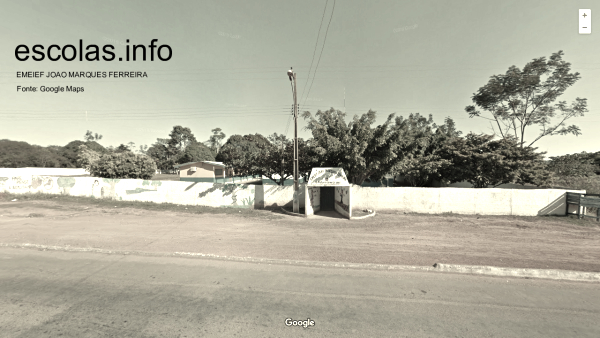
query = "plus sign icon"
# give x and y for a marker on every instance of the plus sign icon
(585, 21)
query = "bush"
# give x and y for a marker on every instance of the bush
(123, 165)
(573, 165)
(590, 184)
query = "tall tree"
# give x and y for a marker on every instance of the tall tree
(89, 136)
(159, 152)
(420, 160)
(482, 161)
(179, 138)
(245, 153)
(216, 140)
(524, 98)
(363, 151)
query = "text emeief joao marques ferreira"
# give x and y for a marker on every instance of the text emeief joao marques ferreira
(91, 53)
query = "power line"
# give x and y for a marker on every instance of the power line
(315, 50)
(322, 48)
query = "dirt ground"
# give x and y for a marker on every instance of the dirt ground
(406, 239)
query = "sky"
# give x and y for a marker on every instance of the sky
(230, 58)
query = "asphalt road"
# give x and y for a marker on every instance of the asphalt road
(75, 294)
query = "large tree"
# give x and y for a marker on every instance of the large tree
(179, 138)
(422, 140)
(216, 140)
(573, 165)
(363, 151)
(483, 161)
(523, 98)
(244, 153)
(160, 153)
(71, 150)
(196, 152)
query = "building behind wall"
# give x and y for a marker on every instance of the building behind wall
(203, 171)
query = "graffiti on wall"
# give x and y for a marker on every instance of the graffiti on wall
(342, 192)
(313, 195)
(42, 181)
(19, 183)
(147, 186)
(65, 184)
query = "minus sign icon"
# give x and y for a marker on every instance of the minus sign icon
(583, 27)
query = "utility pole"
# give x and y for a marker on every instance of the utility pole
(296, 200)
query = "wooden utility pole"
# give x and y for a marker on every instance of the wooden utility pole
(296, 202)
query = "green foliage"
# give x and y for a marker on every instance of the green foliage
(196, 152)
(89, 136)
(71, 150)
(15, 154)
(245, 153)
(573, 165)
(520, 99)
(215, 140)
(86, 157)
(159, 152)
(590, 184)
(123, 165)
(179, 138)
(482, 161)
(122, 148)
(363, 151)
(421, 163)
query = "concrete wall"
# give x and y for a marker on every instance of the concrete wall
(10, 172)
(312, 200)
(188, 193)
(423, 200)
(496, 201)
(342, 200)
(274, 196)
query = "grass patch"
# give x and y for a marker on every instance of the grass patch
(108, 203)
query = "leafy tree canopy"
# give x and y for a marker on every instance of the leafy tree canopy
(523, 98)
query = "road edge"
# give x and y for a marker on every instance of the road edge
(553, 274)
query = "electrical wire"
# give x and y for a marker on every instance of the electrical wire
(315, 50)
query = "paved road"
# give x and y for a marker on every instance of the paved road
(67, 294)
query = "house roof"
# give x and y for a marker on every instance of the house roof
(218, 164)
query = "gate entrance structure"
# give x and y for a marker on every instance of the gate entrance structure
(328, 187)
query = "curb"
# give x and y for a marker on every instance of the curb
(293, 213)
(437, 267)
(519, 272)
(365, 216)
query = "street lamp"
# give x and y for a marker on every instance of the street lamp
(296, 202)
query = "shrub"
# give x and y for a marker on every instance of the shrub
(573, 165)
(123, 165)
(590, 184)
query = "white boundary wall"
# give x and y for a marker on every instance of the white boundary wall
(187, 193)
(488, 201)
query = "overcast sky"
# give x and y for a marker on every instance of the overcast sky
(230, 59)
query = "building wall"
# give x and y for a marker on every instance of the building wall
(202, 170)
